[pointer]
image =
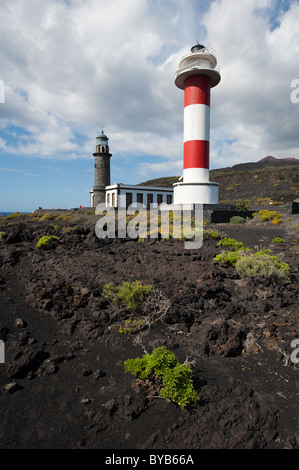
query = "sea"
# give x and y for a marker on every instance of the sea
(8, 213)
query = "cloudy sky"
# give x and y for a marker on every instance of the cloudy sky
(69, 67)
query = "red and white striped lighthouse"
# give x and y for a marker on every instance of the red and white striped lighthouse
(197, 74)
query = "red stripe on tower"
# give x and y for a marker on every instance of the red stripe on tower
(196, 154)
(197, 90)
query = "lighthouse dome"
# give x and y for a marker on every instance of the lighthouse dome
(102, 139)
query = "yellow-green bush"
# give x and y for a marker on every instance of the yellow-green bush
(48, 217)
(262, 266)
(47, 242)
(13, 215)
(64, 217)
(265, 215)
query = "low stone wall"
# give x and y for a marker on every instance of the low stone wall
(224, 216)
(295, 207)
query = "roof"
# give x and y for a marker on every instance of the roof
(102, 136)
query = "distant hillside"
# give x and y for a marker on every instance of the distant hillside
(270, 178)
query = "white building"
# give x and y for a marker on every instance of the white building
(123, 195)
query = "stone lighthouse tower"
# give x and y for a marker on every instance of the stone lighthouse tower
(101, 169)
(197, 74)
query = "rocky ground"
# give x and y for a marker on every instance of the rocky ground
(63, 384)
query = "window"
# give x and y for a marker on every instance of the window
(169, 199)
(140, 198)
(108, 199)
(113, 199)
(129, 199)
(150, 200)
(159, 198)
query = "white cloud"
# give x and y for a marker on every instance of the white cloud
(252, 103)
(71, 67)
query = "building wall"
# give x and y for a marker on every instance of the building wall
(121, 196)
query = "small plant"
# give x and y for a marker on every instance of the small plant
(293, 229)
(89, 212)
(1, 235)
(176, 377)
(229, 257)
(262, 266)
(278, 240)
(214, 235)
(129, 294)
(131, 326)
(71, 229)
(236, 219)
(240, 206)
(276, 221)
(47, 242)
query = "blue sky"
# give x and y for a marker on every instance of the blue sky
(70, 67)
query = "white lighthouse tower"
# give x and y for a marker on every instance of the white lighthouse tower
(197, 74)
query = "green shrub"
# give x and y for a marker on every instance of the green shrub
(89, 212)
(1, 235)
(129, 294)
(176, 377)
(231, 242)
(47, 242)
(56, 228)
(278, 240)
(230, 257)
(236, 219)
(262, 266)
